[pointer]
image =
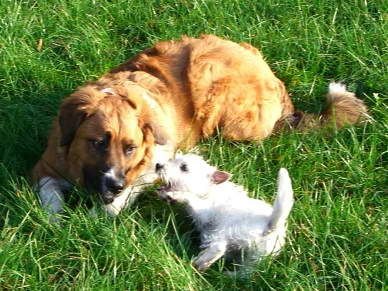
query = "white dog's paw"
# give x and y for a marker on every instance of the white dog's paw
(201, 265)
(54, 218)
(241, 274)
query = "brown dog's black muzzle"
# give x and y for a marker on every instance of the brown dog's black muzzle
(108, 184)
(115, 185)
(112, 185)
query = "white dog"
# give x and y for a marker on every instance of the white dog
(227, 219)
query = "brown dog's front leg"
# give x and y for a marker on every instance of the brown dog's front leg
(51, 196)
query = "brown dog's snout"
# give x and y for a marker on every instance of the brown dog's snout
(115, 184)
(108, 198)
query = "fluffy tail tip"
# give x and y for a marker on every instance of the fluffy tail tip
(335, 88)
(343, 106)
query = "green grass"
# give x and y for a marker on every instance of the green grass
(337, 229)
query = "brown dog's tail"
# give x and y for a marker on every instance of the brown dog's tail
(343, 108)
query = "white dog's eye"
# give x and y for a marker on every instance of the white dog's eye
(184, 168)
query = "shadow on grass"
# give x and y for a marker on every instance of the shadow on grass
(25, 124)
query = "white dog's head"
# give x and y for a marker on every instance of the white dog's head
(189, 173)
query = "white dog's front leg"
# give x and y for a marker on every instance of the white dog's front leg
(51, 196)
(208, 256)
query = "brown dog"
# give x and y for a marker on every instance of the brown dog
(110, 133)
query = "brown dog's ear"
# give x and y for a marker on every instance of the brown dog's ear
(160, 135)
(71, 115)
(219, 177)
(152, 117)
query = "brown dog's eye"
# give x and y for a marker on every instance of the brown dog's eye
(99, 145)
(129, 150)
(184, 168)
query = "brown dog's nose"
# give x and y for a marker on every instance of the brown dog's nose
(115, 185)
(158, 167)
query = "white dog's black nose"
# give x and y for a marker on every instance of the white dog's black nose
(158, 167)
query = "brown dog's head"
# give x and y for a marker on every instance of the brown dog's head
(108, 136)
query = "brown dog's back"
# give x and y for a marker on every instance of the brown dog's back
(215, 83)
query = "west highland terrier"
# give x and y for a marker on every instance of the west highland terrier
(227, 219)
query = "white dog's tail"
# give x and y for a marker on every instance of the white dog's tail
(283, 202)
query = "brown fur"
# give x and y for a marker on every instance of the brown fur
(197, 86)
(341, 109)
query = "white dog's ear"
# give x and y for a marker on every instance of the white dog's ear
(219, 177)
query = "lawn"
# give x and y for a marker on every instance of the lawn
(337, 238)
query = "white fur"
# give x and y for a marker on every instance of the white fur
(283, 201)
(110, 173)
(126, 197)
(224, 214)
(337, 88)
(51, 196)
